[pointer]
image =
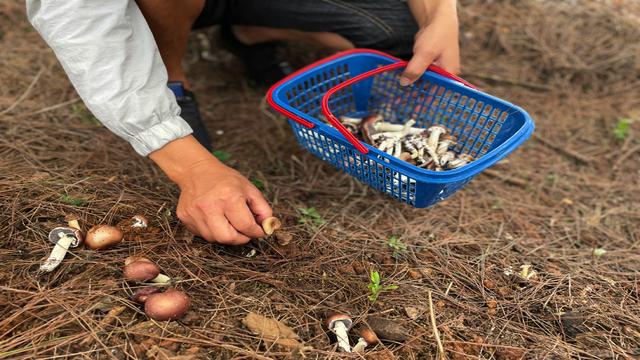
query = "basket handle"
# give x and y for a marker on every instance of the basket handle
(338, 125)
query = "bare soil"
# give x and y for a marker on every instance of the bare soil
(572, 188)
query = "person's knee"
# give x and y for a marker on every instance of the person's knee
(394, 39)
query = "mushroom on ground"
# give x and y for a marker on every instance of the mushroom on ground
(103, 236)
(367, 337)
(63, 238)
(271, 224)
(169, 305)
(340, 324)
(141, 295)
(142, 269)
(139, 221)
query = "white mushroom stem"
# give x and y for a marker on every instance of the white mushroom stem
(161, 279)
(406, 128)
(386, 144)
(350, 120)
(434, 136)
(57, 254)
(456, 163)
(360, 346)
(446, 157)
(433, 155)
(386, 126)
(340, 329)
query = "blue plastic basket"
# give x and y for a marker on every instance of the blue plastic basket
(360, 82)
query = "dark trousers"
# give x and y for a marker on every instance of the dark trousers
(385, 25)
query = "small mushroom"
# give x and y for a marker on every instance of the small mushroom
(169, 305)
(434, 136)
(142, 270)
(283, 237)
(271, 224)
(368, 127)
(103, 236)
(340, 324)
(63, 238)
(446, 157)
(446, 141)
(462, 160)
(139, 221)
(350, 120)
(384, 126)
(367, 337)
(141, 295)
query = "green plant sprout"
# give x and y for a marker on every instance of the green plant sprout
(72, 201)
(397, 246)
(258, 184)
(375, 287)
(310, 215)
(84, 114)
(621, 130)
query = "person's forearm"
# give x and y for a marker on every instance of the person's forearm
(179, 156)
(110, 56)
(425, 10)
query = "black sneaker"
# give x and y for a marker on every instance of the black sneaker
(190, 113)
(261, 61)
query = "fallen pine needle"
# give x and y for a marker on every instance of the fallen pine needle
(436, 333)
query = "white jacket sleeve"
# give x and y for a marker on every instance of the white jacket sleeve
(110, 56)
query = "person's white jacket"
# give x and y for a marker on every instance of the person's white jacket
(111, 57)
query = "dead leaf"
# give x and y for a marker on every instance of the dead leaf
(272, 330)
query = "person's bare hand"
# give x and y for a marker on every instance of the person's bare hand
(435, 43)
(220, 205)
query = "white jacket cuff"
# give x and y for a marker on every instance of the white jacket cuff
(168, 129)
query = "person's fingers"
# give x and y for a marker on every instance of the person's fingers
(222, 231)
(258, 205)
(417, 66)
(450, 61)
(243, 221)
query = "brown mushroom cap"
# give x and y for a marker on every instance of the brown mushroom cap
(271, 224)
(367, 127)
(141, 270)
(103, 236)
(141, 295)
(169, 305)
(131, 259)
(339, 317)
(369, 336)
